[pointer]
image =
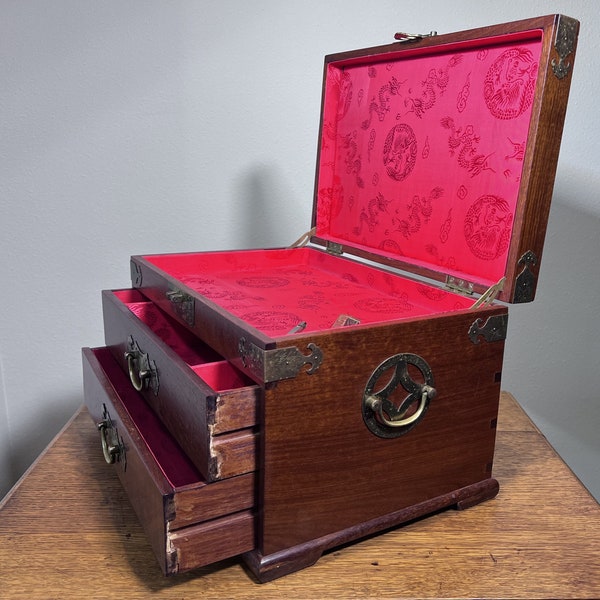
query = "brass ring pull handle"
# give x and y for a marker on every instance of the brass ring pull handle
(113, 448)
(110, 450)
(137, 376)
(143, 373)
(376, 405)
(383, 414)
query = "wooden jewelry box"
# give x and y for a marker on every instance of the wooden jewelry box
(276, 403)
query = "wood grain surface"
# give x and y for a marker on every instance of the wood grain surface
(68, 531)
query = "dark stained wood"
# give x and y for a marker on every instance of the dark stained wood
(190, 409)
(188, 525)
(325, 472)
(68, 531)
(234, 453)
(203, 544)
(289, 560)
(235, 409)
(541, 159)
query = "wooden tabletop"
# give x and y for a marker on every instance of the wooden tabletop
(68, 531)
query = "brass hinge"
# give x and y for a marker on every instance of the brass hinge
(462, 286)
(335, 248)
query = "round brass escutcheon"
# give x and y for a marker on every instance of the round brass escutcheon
(386, 417)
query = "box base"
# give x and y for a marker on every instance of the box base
(270, 567)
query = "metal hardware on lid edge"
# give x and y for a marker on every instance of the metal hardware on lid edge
(334, 248)
(526, 280)
(462, 286)
(493, 330)
(183, 305)
(136, 274)
(279, 363)
(566, 34)
(413, 37)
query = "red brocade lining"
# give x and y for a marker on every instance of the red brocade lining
(275, 290)
(421, 158)
(174, 464)
(212, 368)
(422, 152)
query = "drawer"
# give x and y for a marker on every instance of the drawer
(209, 407)
(189, 521)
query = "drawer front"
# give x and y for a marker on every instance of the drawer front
(167, 492)
(206, 404)
(202, 544)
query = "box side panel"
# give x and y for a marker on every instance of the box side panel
(325, 471)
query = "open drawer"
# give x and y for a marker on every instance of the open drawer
(189, 522)
(208, 406)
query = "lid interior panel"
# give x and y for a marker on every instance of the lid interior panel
(422, 152)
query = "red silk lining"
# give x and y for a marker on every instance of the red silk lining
(422, 152)
(276, 290)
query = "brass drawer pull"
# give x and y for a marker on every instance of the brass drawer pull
(110, 451)
(143, 373)
(137, 376)
(113, 449)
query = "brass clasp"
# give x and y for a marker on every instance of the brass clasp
(413, 37)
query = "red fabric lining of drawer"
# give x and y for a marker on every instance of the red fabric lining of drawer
(171, 459)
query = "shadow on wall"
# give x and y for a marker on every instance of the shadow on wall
(6, 472)
(272, 216)
(552, 359)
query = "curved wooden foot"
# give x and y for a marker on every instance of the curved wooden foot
(288, 560)
(486, 490)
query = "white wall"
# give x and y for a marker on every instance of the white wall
(6, 472)
(151, 126)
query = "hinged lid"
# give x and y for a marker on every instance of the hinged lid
(438, 154)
